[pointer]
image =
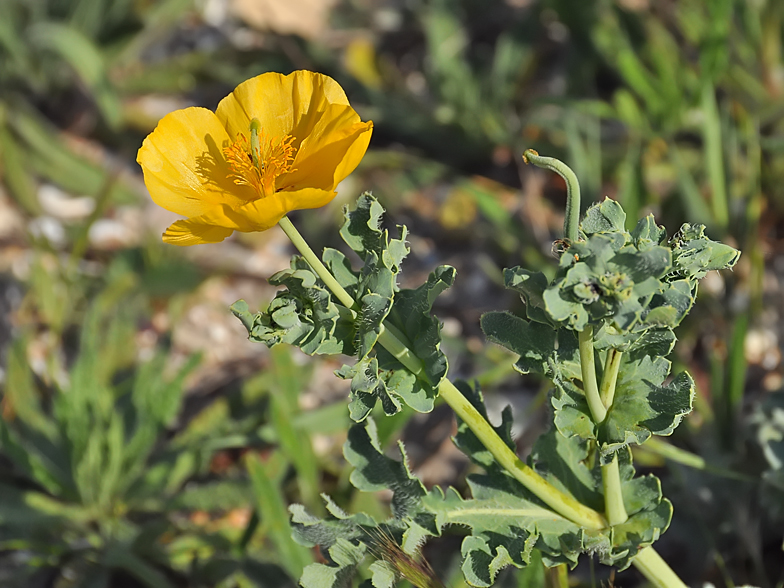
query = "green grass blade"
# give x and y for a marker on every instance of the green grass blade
(631, 190)
(295, 443)
(736, 366)
(274, 514)
(697, 210)
(14, 173)
(54, 160)
(85, 58)
(714, 156)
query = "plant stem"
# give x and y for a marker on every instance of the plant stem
(614, 508)
(647, 561)
(572, 218)
(650, 563)
(656, 570)
(588, 368)
(559, 501)
(394, 341)
(321, 270)
(557, 577)
(610, 377)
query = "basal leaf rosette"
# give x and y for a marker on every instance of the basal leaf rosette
(208, 167)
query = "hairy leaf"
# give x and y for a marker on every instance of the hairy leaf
(412, 315)
(367, 387)
(643, 405)
(531, 287)
(306, 315)
(469, 443)
(603, 217)
(695, 255)
(303, 315)
(533, 342)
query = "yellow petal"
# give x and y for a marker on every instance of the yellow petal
(184, 166)
(284, 105)
(265, 213)
(192, 232)
(326, 158)
(305, 198)
(234, 219)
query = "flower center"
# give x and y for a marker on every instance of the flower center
(259, 161)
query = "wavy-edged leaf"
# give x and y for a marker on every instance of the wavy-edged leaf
(564, 462)
(362, 232)
(533, 342)
(344, 558)
(531, 287)
(506, 524)
(375, 471)
(367, 387)
(647, 232)
(382, 256)
(567, 463)
(603, 217)
(383, 377)
(469, 443)
(303, 315)
(654, 342)
(412, 315)
(643, 405)
(694, 254)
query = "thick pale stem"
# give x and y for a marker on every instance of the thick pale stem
(390, 337)
(611, 477)
(610, 377)
(559, 501)
(321, 270)
(572, 219)
(650, 563)
(656, 570)
(588, 368)
(614, 509)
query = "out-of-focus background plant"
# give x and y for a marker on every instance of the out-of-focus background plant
(145, 443)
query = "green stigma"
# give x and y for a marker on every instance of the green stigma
(255, 143)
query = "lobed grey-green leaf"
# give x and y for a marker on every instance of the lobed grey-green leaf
(606, 216)
(533, 342)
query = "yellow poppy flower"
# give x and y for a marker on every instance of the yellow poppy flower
(210, 167)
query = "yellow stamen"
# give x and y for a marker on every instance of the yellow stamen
(273, 157)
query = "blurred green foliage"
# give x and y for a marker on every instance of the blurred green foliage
(108, 457)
